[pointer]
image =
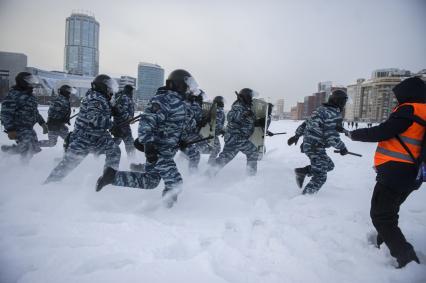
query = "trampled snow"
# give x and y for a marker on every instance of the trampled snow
(232, 228)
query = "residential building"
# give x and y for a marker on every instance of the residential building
(352, 109)
(279, 107)
(374, 99)
(319, 98)
(308, 106)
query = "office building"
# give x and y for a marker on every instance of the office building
(81, 45)
(10, 65)
(126, 80)
(150, 78)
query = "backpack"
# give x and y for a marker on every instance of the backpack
(421, 161)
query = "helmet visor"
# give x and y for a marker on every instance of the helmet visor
(254, 94)
(193, 87)
(71, 90)
(31, 80)
(111, 85)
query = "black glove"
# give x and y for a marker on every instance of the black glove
(116, 132)
(182, 145)
(138, 145)
(203, 122)
(66, 119)
(260, 122)
(151, 153)
(45, 128)
(293, 140)
(344, 151)
(269, 134)
(340, 129)
(114, 111)
(222, 132)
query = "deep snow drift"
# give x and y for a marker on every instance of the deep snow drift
(231, 228)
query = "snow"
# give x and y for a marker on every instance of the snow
(232, 228)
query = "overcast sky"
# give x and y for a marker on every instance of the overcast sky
(282, 49)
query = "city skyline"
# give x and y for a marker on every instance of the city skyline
(280, 49)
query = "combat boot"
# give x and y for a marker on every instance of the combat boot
(8, 148)
(106, 179)
(251, 168)
(406, 258)
(170, 197)
(301, 174)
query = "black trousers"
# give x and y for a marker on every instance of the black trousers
(385, 204)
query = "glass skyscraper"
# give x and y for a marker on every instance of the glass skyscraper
(150, 78)
(81, 45)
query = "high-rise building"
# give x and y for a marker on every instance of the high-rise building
(297, 111)
(325, 87)
(373, 98)
(319, 98)
(352, 108)
(150, 78)
(279, 107)
(10, 65)
(126, 80)
(308, 106)
(81, 45)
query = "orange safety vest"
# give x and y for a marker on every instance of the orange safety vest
(392, 150)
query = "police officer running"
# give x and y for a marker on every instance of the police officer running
(161, 129)
(19, 113)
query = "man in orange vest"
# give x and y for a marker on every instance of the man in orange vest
(396, 170)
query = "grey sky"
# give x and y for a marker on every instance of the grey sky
(279, 48)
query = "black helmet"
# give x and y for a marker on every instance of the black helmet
(67, 90)
(25, 81)
(246, 96)
(219, 100)
(338, 98)
(181, 81)
(105, 85)
(128, 89)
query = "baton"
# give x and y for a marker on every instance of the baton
(350, 153)
(196, 141)
(74, 115)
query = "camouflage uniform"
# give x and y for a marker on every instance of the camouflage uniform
(58, 114)
(194, 117)
(220, 124)
(19, 113)
(163, 124)
(90, 135)
(319, 132)
(124, 110)
(241, 120)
